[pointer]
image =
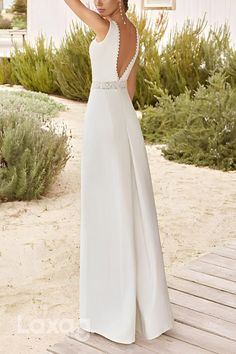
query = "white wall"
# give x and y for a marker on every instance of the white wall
(217, 12)
(53, 17)
(50, 18)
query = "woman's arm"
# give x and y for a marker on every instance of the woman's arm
(96, 22)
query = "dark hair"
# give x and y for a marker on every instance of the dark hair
(126, 5)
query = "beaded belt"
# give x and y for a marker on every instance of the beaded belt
(109, 84)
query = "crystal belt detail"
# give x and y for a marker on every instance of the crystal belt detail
(109, 84)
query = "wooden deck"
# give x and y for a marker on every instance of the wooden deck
(203, 298)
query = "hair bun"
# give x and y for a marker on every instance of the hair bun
(126, 5)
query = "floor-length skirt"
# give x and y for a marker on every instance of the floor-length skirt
(123, 287)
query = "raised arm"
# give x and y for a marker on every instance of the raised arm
(91, 18)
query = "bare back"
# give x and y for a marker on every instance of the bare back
(127, 46)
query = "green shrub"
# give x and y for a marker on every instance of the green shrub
(32, 154)
(20, 21)
(187, 58)
(72, 64)
(19, 6)
(230, 69)
(33, 67)
(190, 56)
(200, 130)
(6, 74)
(36, 104)
(149, 55)
(216, 49)
(209, 137)
(159, 123)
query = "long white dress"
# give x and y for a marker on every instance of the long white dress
(123, 289)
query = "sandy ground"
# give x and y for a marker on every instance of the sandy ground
(39, 252)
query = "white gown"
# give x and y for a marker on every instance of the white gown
(123, 289)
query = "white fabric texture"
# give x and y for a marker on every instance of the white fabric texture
(123, 289)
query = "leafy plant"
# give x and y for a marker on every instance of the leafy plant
(20, 21)
(230, 69)
(72, 66)
(6, 74)
(159, 123)
(198, 130)
(38, 105)
(149, 55)
(33, 67)
(19, 6)
(189, 56)
(32, 153)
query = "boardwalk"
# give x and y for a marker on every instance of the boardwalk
(203, 297)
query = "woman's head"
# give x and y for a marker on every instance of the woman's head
(108, 7)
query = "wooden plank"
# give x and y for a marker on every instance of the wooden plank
(162, 345)
(205, 322)
(71, 347)
(226, 252)
(100, 342)
(231, 242)
(231, 246)
(202, 305)
(203, 299)
(201, 291)
(171, 345)
(202, 339)
(212, 269)
(206, 279)
(218, 260)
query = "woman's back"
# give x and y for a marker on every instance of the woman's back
(128, 45)
(113, 58)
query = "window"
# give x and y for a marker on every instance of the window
(159, 4)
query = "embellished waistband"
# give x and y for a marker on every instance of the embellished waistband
(109, 84)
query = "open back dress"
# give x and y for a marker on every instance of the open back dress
(123, 289)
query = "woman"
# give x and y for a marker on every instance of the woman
(123, 289)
